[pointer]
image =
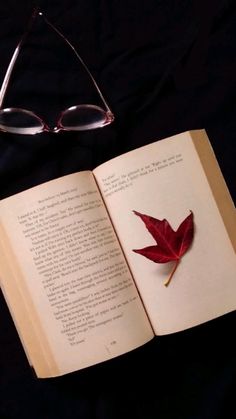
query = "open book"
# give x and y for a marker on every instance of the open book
(77, 291)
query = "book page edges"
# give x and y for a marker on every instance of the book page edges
(23, 312)
(216, 181)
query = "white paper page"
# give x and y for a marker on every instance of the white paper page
(166, 180)
(75, 271)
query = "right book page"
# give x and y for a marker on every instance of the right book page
(168, 179)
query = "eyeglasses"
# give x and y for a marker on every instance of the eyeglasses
(75, 118)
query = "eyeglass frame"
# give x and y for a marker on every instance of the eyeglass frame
(109, 116)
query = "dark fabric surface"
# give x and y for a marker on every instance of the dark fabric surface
(165, 66)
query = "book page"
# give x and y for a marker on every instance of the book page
(166, 180)
(74, 287)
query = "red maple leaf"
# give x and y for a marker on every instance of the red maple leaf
(171, 245)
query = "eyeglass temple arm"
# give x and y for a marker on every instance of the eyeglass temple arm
(17, 50)
(8, 74)
(14, 57)
(80, 59)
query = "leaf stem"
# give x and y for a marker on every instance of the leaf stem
(166, 283)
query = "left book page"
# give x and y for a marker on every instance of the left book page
(65, 278)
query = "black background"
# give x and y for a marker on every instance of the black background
(165, 66)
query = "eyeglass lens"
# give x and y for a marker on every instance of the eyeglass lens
(19, 121)
(83, 117)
